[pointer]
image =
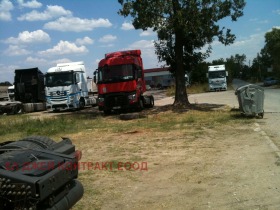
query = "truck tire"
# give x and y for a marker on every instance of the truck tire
(21, 145)
(152, 102)
(107, 111)
(140, 105)
(82, 103)
(42, 141)
(129, 116)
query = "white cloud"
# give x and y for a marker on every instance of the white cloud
(148, 32)
(14, 50)
(141, 44)
(64, 47)
(127, 26)
(7, 72)
(277, 11)
(84, 41)
(149, 57)
(50, 13)
(5, 10)
(27, 37)
(29, 4)
(107, 38)
(36, 61)
(62, 60)
(249, 46)
(77, 24)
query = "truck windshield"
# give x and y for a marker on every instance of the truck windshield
(59, 79)
(217, 74)
(116, 73)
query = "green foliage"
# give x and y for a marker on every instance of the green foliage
(183, 28)
(268, 57)
(272, 46)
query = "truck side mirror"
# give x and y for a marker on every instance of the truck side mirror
(77, 78)
(94, 76)
(139, 73)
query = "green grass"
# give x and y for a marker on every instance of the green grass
(194, 89)
(18, 126)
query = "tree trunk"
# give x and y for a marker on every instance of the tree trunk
(181, 97)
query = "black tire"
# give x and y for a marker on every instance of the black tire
(42, 141)
(260, 115)
(107, 111)
(21, 145)
(129, 116)
(152, 103)
(140, 105)
(82, 103)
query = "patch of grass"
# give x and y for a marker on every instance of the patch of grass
(20, 125)
(194, 89)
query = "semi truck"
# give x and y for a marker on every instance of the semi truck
(29, 85)
(120, 82)
(217, 77)
(27, 94)
(38, 173)
(67, 87)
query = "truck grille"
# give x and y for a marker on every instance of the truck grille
(58, 96)
(116, 100)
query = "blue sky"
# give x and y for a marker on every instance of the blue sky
(37, 33)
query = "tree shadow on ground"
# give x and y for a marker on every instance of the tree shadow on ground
(205, 107)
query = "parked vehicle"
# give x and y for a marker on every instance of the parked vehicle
(217, 77)
(11, 93)
(29, 85)
(38, 173)
(270, 81)
(3, 93)
(27, 94)
(120, 82)
(67, 87)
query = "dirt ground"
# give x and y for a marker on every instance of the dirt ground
(210, 168)
(226, 167)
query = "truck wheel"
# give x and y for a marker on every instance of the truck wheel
(140, 106)
(152, 102)
(107, 111)
(21, 145)
(42, 141)
(82, 103)
(129, 116)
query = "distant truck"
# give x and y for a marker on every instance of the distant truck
(29, 85)
(3, 93)
(11, 93)
(67, 87)
(120, 82)
(217, 77)
(27, 94)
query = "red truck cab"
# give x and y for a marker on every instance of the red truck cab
(120, 82)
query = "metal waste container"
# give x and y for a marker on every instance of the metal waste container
(251, 100)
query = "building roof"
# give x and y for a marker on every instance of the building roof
(156, 70)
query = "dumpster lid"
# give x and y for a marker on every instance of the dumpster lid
(242, 88)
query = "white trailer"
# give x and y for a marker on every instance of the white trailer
(217, 77)
(67, 87)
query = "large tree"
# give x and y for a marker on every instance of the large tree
(183, 27)
(272, 47)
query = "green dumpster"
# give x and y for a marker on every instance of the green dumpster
(251, 100)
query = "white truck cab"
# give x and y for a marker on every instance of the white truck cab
(66, 87)
(217, 77)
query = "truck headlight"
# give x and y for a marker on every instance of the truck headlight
(100, 101)
(132, 96)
